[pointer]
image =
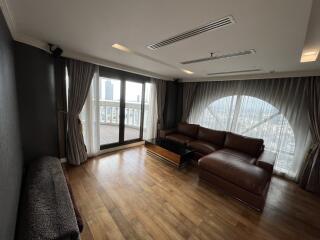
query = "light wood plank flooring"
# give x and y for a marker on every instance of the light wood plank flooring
(130, 195)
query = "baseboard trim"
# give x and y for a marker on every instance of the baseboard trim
(118, 148)
(114, 149)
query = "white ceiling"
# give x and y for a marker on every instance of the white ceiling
(277, 30)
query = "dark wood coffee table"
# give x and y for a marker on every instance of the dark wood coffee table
(174, 153)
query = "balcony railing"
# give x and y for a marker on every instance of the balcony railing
(110, 112)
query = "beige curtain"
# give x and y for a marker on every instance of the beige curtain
(310, 177)
(189, 92)
(80, 77)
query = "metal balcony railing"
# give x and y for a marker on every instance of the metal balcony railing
(110, 112)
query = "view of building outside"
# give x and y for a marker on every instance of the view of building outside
(133, 105)
(109, 105)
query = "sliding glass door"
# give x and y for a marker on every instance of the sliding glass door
(121, 110)
(133, 110)
(109, 107)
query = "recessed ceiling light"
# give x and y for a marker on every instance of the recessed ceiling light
(121, 47)
(309, 56)
(310, 53)
(187, 71)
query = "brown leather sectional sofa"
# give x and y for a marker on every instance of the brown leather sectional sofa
(236, 164)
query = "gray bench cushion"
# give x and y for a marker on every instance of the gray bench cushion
(46, 210)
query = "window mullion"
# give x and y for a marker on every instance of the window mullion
(261, 122)
(236, 113)
(230, 116)
(215, 116)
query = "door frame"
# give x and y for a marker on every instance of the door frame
(123, 78)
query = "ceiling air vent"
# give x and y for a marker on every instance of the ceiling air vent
(229, 55)
(233, 72)
(202, 29)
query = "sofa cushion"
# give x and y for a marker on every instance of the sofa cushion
(240, 173)
(203, 147)
(190, 130)
(230, 154)
(179, 138)
(252, 146)
(210, 135)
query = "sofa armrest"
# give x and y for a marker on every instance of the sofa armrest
(163, 133)
(266, 161)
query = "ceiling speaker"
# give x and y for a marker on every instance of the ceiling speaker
(55, 50)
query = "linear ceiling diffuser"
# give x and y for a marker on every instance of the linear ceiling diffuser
(232, 72)
(246, 52)
(196, 31)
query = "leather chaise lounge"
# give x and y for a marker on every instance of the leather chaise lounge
(234, 163)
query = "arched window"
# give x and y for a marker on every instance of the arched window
(253, 117)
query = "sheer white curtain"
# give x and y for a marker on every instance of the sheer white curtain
(90, 117)
(274, 110)
(151, 112)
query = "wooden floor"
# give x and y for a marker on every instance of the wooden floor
(130, 195)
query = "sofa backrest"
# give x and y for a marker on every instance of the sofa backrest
(251, 146)
(190, 130)
(209, 135)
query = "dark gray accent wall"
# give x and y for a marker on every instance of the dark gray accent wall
(37, 101)
(179, 102)
(61, 103)
(11, 162)
(170, 111)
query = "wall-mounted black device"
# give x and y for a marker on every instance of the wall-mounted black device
(55, 50)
